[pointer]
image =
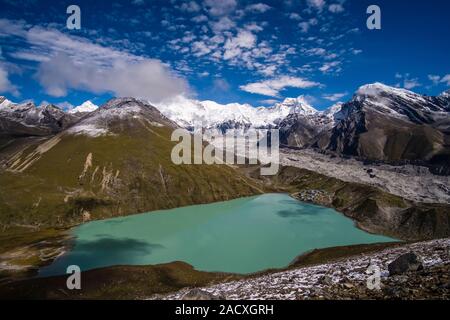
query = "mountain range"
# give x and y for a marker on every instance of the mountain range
(379, 123)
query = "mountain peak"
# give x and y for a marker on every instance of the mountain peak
(297, 105)
(335, 108)
(445, 94)
(4, 102)
(376, 88)
(85, 107)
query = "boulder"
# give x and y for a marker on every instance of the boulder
(405, 263)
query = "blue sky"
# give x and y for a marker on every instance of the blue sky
(256, 52)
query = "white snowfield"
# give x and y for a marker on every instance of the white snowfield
(87, 106)
(209, 114)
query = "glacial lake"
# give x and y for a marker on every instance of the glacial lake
(241, 236)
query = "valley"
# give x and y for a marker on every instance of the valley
(379, 159)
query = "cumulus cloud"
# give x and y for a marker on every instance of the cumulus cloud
(273, 87)
(411, 83)
(243, 40)
(191, 6)
(408, 82)
(336, 8)
(220, 8)
(294, 16)
(434, 78)
(330, 66)
(258, 7)
(67, 62)
(316, 4)
(334, 96)
(305, 25)
(446, 79)
(438, 79)
(148, 78)
(5, 84)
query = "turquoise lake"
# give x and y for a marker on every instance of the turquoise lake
(242, 236)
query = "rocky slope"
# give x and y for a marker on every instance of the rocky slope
(113, 162)
(371, 208)
(389, 124)
(18, 120)
(345, 278)
(411, 182)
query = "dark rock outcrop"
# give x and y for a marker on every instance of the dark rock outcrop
(405, 263)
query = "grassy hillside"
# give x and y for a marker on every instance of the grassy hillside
(70, 178)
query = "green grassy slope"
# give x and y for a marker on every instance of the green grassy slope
(126, 172)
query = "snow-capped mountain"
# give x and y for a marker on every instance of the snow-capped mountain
(27, 119)
(379, 123)
(120, 114)
(391, 124)
(189, 113)
(401, 103)
(4, 102)
(85, 107)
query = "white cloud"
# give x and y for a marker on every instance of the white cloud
(330, 66)
(191, 6)
(446, 79)
(315, 52)
(411, 83)
(200, 18)
(434, 78)
(234, 46)
(273, 87)
(220, 8)
(295, 16)
(148, 78)
(408, 83)
(305, 25)
(258, 7)
(5, 85)
(200, 48)
(336, 8)
(437, 79)
(317, 4)
(68, 62)
(223, 24)
(334, 96)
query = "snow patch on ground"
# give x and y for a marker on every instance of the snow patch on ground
(88, 130)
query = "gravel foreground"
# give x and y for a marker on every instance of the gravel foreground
(345, 279)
